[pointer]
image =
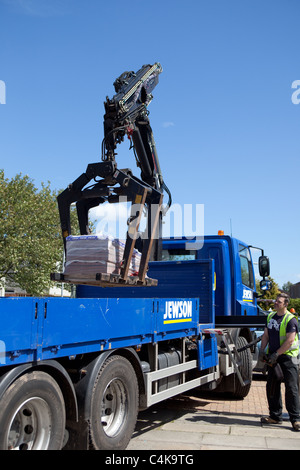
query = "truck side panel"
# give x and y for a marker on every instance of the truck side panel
(100, 324)
(58, 327)
(19, 327)
(188, 279)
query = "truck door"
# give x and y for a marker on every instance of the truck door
(246, 302)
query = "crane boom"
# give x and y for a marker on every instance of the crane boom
(126, 113)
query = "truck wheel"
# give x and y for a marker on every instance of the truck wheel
(32, 414)
(240, 391)
(114, 405)
(231, 384)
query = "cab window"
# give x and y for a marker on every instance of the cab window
(178, 255)
(246, 267)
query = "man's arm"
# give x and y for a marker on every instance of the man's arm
(264, 340)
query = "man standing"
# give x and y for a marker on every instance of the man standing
(281, 336)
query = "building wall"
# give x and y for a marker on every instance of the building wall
(295, 291)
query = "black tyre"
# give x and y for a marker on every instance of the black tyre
(231, 384)
(239, 390)
(32, 414)
(114, 405)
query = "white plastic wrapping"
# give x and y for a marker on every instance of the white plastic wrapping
(87, 255)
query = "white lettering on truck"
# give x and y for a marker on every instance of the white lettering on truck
(177, 311)
(247, 295)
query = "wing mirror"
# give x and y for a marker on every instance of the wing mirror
(264, 271)
(265, 285)
(264, 266)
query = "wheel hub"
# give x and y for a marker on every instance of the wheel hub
(114, 407)
(30, 427)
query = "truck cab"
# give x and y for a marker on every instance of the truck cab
(235, 297)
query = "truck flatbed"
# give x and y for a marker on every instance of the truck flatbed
(35, 329)
(30, 325)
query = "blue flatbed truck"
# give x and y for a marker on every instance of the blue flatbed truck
(74, 372)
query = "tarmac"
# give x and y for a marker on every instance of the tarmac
(194, 421)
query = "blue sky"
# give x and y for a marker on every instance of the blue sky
(226, 128)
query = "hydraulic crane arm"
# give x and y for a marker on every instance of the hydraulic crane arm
(125, 114)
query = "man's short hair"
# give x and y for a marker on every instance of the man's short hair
(286, 298)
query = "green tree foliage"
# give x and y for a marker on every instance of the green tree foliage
(30, 234)
(287, 286)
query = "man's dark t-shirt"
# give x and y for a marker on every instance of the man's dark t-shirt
(273, 330)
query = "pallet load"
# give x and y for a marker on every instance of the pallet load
(89, 255)
(96, 260)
